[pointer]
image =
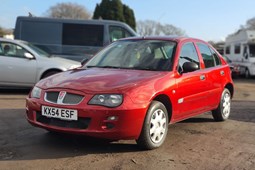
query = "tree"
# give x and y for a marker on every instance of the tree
(115, 10)
(129, 16)
(1, 32)
(68, 10)
(4, 31)
(250, 23)
(150, 27)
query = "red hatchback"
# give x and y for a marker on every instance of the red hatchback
(133, 89)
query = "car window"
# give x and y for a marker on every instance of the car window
(208, 58)
(12, 50)
(216, 57)
(188, 54)
(82, 34)
(139, 55)
(227, 50)
(118, 33)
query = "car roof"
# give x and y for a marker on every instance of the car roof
(168, 38)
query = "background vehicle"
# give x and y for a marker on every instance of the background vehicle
(73, 39)
(23, 64)
(240, 48)
(133, 89)
(236, 69)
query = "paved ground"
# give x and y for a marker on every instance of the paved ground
(197, 143)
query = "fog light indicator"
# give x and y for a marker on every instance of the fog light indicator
(112, 118)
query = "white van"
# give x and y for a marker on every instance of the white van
(240, 48)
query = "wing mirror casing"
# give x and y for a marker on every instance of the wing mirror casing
(189, 67)
(29, 56)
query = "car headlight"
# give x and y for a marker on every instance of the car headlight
(108, 100)
(36, 92)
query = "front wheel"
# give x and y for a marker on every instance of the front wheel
(155, 126)
(223, 111)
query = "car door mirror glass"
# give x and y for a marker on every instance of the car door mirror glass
(189, 67)
(28, 55)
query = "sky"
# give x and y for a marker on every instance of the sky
(204, 19)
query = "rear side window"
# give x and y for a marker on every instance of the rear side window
(83, 35)
(216, 57)
(208, 57)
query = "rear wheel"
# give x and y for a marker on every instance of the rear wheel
(223, 111)
(155, 127)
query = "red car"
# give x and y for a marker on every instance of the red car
(133, 89)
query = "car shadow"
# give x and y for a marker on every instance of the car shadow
(198, 120)
(21, 141)
(14, 91)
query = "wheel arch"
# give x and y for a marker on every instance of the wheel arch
(50, 70)
(167, 103)
(230, 87)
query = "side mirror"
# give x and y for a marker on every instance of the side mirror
(84, 61)
(189, 67)
(29, 55)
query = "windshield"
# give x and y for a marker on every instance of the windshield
(38, 50)
(252, 50)
(153, 55)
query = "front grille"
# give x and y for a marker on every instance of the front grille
(72, 98)
(69, 98)
(81, 123)
(52, 96)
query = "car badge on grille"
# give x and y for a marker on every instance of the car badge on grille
(61, 95)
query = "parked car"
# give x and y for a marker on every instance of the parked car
(22, 64)
(133, 89)
(236, 69)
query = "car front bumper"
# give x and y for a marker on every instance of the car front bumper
(123, 122)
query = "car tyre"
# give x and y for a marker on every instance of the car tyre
(155, 127)
(223, 111)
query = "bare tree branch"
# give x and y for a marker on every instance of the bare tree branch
(150, 27)
(68, 10)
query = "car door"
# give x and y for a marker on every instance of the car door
(215, 73)
(15, 68)
(192, 86)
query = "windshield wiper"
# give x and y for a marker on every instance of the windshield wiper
(103, 67)
(130, 68)
(110, 67)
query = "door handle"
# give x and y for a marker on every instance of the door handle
(222, 72)
(202, 77)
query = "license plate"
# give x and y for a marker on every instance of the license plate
(60, 113)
